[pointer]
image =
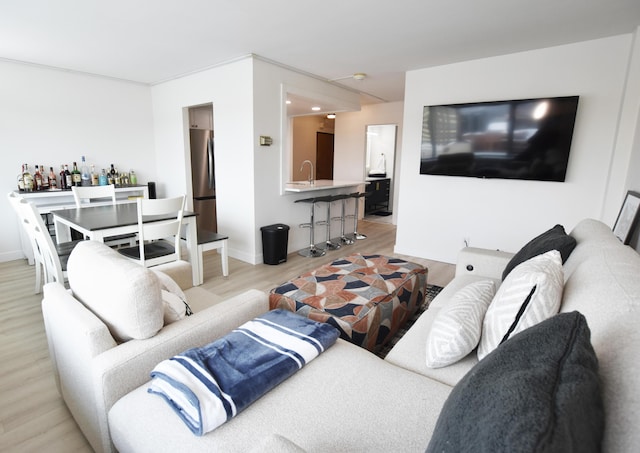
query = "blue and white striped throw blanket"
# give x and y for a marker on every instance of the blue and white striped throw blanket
(209, 385)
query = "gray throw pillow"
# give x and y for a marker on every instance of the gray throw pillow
(554, 239)
(537, 392)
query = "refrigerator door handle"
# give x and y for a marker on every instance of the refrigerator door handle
(210, 162)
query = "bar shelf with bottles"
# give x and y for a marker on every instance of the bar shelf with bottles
(41, 180)
(50, 191)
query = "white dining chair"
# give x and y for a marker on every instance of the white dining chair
(48, 256)
(85, 196)
(158, 240)
(14, 200)
(88, 195)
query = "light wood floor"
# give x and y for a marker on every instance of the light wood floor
(33, 417)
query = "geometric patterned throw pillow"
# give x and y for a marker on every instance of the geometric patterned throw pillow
(531, 293)
(456, 329)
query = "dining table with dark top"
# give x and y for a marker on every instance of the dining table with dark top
(99, 222)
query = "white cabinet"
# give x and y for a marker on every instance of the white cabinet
(201, 117)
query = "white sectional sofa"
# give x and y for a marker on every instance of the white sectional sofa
(348, 399)
(93, 368)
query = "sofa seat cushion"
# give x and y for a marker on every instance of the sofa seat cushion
(123, 294)
(410, 351)
(208, 385)
(346, 399)
(275, 443)
(538, 391)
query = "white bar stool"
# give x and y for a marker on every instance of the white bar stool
(357, 196)
(343, 200)
(312, 251)
(328, 244)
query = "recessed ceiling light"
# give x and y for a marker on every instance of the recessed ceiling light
(315, 108)
(331, 116)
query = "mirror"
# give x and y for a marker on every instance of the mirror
(380, 150)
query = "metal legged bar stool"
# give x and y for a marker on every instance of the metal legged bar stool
(328, 243)
(312, 251)
(343, 201)
(357, 196)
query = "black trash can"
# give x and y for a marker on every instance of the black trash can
(274, 243)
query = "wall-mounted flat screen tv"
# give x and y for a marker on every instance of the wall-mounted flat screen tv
(520, 139)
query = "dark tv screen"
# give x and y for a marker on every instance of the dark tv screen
(519, 139)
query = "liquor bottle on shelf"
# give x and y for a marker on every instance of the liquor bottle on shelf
(68, 181)
(94, 176)
(45, 178)
(37, 176)
(63, 178)
(21, 180)
(133, 178)
(76, 176)
(102, 179)
(84, 174)
(52, 179)
(116, 179)
(28, 179)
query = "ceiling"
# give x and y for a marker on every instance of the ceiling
(151, 41)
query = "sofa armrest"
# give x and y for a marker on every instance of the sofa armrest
(75, 336)
(118, 371)
(482, 262)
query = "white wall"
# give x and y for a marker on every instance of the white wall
(247, 102)
(229, 89)
(53, 117)
(626, 167)
(272, 169)
(436, 212)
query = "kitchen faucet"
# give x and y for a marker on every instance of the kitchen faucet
(310, 170)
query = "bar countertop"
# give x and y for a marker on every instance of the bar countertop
(321, 184)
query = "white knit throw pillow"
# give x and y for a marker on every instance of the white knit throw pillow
(531, 293)
(456, 329)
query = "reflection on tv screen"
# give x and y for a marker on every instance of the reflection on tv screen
(518, 139)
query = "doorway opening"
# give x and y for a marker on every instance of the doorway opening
(312, 139)
(324, 155)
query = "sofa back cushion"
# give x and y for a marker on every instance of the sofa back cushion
(603, 283)
(123, 294)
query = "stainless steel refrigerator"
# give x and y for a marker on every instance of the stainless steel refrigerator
(203, 178)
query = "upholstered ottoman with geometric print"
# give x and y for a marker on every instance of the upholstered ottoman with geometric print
(367, 297)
